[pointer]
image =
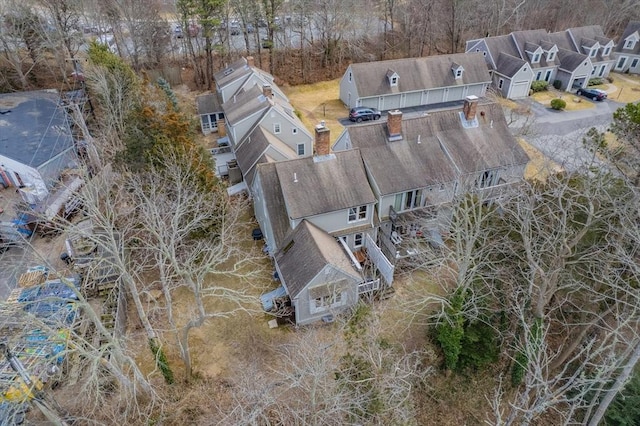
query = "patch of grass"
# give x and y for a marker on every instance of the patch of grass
(574, 102)
(317, 102)
(540, 166)
(625, 88)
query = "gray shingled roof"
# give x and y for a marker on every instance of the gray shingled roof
(244, 104)
(508, 65)
(309, 250)
(502, 44)
(274, 202)
(418, 73)
(570, 60)
(33, 128)
(487, 146)
(631, 28)
(521, 38)
(562, 39)
(406, 164)
(250, 150)
(313, 186)
(209, 103)
(232, 72)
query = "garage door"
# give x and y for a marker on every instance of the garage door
(519, 89)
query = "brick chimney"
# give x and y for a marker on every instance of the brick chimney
(267, 91)
(469, 107)
(322, 142)
(394, 125)
(251, 61)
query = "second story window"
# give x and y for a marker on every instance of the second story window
(536, 58)
(606, 52)
(300, 149)
(357, 214)
(276, 128)
(629, 44)
(551, 56)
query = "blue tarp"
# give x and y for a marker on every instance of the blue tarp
(267, 298)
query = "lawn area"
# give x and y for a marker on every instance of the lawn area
(540, 166)
(317, 102)
(574, 102)
(625, 88)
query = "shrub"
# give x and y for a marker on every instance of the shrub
(557, 84)
(519, 368)
(539, 86)
(450, 331)
(595, 81)
(558, 104)
(610, 79)
(479, 346)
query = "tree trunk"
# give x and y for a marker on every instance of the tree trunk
(616, 387)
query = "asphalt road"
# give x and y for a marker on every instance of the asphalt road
(559, 134)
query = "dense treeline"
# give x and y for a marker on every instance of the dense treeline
(300, 41)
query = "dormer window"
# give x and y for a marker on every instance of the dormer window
(629, 44)
(393, 78)
(457, 71)
(551, 56)
(536, 58)
(593, 53)
(606, 52)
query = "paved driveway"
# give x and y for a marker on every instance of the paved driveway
(559, 134)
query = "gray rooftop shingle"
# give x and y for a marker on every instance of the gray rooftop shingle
(415, 74)
(311, 187)
(309, 250)
(406, 165)
(209, 103)
(33, 127)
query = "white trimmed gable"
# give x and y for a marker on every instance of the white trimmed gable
(457, 70)
(534, 57)
(551, 53)
(631, 40)
(393, 78)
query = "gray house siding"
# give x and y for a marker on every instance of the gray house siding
(348, 90)
(286, 134)
(337, 222)
(307, 313)
(261, 213)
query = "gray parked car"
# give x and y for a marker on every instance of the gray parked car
(359, 114)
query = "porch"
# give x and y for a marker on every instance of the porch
(410, 233)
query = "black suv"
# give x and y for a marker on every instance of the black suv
(593, 94)
(363, 113)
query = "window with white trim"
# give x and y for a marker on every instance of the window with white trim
(536, 58)
(294, 130)
(358, 240)
(551, 56)
(408, 200)
(629, 44)
(593, 53)
(606, 52)
(500, 83)
(349, 75)
(547, 75)
(394, 81)
(324, 303)
(300, 149)
(357, 214)
(459, 73)
(276, 128)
